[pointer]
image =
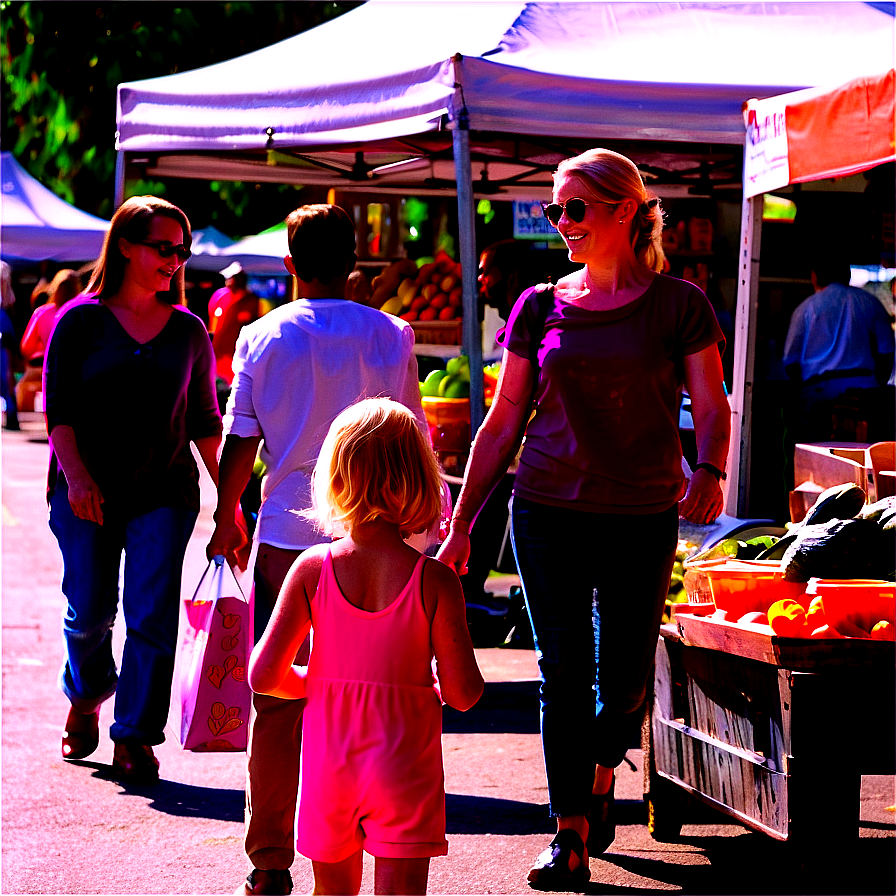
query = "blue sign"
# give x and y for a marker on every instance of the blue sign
(529, 222)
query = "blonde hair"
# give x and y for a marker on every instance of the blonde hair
(375, 464)
(610, 176)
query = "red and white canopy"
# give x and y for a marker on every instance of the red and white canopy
(814, 134)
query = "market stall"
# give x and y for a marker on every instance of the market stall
(788, 645)
(482, 100)
(808, 135)
(36, 225)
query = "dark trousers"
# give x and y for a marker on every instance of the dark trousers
(595, 586)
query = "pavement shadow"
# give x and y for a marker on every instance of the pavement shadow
(753, 864)
(182, 800)
(492, 815)
(510, 707)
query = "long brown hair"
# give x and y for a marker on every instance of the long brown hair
(132, 221)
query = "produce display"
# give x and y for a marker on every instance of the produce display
(453, 381)
(831, 576)
(432, 292)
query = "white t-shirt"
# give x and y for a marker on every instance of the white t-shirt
(295, 370)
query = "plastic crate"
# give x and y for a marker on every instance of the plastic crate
(745, 586)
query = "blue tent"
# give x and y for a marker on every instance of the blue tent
(36, 225)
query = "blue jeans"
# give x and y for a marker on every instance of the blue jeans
(154, 545)
(595, 586)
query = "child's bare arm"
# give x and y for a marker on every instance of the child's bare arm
(270, 668)
(459, 676)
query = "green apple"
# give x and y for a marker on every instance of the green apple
(445, 383)
(429, 388)
(457, 364)
(458, 389)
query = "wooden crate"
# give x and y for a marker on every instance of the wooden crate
(773, 747)
(437, 332)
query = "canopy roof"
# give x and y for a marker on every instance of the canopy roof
(260, 255)
(365, 99)
(36, 225)
(814, 134)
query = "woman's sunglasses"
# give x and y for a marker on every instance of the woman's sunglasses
(166, 250)
(575, 209)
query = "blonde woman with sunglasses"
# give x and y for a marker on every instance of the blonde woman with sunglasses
(604, 356)
(129, 385)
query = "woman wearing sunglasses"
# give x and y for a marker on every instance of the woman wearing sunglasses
(597, 497)
(129, 384)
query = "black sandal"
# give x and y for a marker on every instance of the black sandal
(602, 821)
(551, 868)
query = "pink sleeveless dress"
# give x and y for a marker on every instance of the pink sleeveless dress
(371, 773)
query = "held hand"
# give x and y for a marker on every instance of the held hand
(455, 551)
(227, 539)
(85, 499)
(703, 502)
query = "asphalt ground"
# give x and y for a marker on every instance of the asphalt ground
(70, 828)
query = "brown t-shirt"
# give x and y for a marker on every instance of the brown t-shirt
(604, 437)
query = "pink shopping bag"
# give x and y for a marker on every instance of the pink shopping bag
(214, 693)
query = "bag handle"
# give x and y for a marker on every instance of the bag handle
(214, 566)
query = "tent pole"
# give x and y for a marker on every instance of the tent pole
(120, 162)
(466, 225)
(738, 484)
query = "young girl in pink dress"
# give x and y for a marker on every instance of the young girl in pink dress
(371, 776)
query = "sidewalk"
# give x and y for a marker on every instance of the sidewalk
(68, 828)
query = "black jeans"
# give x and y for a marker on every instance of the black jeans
(595, 587)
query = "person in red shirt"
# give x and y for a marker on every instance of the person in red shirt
(229, 310)
(64, 286)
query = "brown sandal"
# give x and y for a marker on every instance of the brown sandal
(135, 763)
(82, 734)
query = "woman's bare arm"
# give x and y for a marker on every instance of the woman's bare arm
(712, 424)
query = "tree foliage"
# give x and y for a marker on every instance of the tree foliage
(62, 62)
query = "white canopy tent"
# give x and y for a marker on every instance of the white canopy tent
(427, 96)
(36, 225)
(260, 255)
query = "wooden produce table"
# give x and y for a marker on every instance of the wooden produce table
(774, 732)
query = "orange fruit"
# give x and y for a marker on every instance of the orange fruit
(788, 619)
(883, 631)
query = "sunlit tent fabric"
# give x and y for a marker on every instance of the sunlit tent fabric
(659, 71)
(513, 73)
(813, 134)
(36, 225)
(260, 255)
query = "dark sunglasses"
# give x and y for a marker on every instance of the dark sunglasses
(575, 209)
(166, 250)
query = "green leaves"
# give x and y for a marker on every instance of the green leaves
(61, 67)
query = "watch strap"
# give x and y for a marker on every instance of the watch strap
(711, 468)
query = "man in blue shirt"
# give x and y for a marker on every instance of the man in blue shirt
(839, 339)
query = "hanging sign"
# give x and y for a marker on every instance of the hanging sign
(766, 165)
